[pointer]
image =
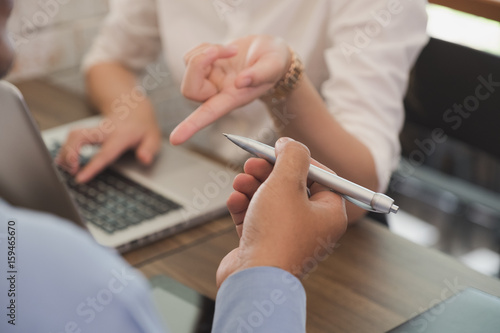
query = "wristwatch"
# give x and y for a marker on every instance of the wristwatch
(287, 83)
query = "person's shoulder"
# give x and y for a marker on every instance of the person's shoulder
(50, 234)
(58, 244)
(41, 223)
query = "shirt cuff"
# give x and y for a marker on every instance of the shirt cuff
(260, 299)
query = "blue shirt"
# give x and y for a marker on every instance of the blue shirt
(260, 299)
(55, 278)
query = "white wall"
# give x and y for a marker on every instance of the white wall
(51, 36)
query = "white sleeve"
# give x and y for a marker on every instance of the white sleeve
(129, 35)
(374, 44)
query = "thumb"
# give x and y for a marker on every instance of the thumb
(268, 58)
(292, 165)
(263, 72)
(148, 148)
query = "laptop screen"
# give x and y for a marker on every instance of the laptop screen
(28, 177)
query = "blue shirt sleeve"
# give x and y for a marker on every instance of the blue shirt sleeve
(61, 280)
(260, 299)
(58, 279)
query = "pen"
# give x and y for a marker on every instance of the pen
(359, 195)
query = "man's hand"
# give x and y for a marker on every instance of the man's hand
(117, 133)
(278, 224)
(227, 77)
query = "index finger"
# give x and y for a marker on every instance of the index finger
(195, 85)
(69, 154)
(108, 153)
(214, 108)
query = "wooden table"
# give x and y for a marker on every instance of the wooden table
(486, 8)
(372, 282)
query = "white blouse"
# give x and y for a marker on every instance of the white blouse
(358, 54)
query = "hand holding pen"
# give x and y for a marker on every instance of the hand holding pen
(358, 195)
(271, 211)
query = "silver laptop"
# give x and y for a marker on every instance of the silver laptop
(126, 206)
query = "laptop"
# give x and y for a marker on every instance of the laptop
(126, 206)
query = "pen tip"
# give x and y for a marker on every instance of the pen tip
(394, 209)
(225, 134)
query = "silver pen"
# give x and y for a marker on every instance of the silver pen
(360, 196)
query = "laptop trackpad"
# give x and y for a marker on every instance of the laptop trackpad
(178, 170)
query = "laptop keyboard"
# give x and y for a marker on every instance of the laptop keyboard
(112, 202)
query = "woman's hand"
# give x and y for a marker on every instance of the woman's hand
(116, 134)
(226, 77)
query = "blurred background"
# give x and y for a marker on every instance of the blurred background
(450, 202)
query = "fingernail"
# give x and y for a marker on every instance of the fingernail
(80, 178)
(245, 82)
(281, 142)
(171, 138)
(232, 48)
(284, 139)
(145, 157)
(209, 51)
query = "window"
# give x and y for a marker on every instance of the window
(463, 28)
